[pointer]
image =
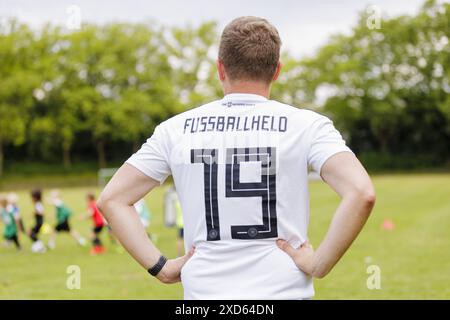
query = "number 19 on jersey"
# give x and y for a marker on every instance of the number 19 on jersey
(265, 188)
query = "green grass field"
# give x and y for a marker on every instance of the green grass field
(414, 257)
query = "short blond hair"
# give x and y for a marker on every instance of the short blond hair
(250, 49)
(12, 198)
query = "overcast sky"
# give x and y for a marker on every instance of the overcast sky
(303, 25)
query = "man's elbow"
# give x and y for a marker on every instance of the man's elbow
(319, 274)
(364, 196)
(368, 197)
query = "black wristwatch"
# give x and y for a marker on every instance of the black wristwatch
(158, 266)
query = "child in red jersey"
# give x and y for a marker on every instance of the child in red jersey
(99, 223)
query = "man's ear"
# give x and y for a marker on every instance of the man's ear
(220, 70)
(277, 71)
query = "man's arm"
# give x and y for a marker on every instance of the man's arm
(345, 175)
(116, 203)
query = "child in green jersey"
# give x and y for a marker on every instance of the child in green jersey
(14, 207)
(63, 214)
(7, 215)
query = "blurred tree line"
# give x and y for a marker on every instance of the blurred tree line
(98, 92)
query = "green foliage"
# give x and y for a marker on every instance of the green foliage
(189, 51)
(387, 89)
(105, 84)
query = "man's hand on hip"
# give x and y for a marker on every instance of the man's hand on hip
(171, 271)
(303, 257)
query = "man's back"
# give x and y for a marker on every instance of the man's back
(240, 167)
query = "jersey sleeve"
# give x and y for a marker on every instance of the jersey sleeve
(326, 141)
(39, 208)
(16, 212)
(152, 157)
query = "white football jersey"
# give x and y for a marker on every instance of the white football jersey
(240, 167)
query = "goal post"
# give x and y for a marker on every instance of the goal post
(104, 175)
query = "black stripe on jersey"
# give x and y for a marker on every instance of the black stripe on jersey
(209, 159)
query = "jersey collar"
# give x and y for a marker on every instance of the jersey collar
(245, 97)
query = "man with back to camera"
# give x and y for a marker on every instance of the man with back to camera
(240, 167)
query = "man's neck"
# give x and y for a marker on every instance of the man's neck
(260, 89)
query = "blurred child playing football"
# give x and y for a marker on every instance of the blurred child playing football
(13, 206)
(99, 223)
(63, 214)
(11, 224)
(38, 207)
